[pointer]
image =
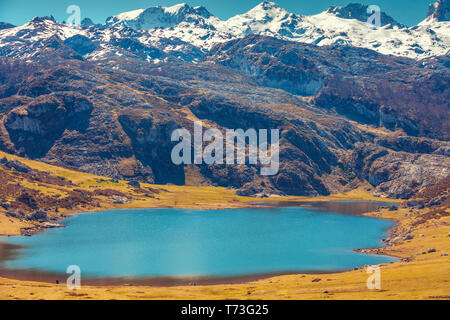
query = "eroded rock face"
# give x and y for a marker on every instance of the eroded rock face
(35, 127)
(398, 174)
(271, 64)
(115, 117)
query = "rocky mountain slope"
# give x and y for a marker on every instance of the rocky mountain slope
(438, 11)
(105, 99)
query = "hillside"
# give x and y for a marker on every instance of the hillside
(104, 99)
(419, 240)
(35, 195)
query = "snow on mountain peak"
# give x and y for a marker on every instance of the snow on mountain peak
(176, 9)
(359, 12)
(129, 15)
(158, 17)
(266, 18)
(266, 11)
(182, 27)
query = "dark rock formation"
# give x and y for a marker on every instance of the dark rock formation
(16, 165)
(5, 25)
(439, 10)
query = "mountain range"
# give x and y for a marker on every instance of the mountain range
(356, 106)
(181, 29)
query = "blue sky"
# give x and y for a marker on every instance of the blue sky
(409, 12)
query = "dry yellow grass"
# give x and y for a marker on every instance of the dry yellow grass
(425, 277)
(10, 226)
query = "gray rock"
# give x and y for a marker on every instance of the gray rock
(39, 216)
(419, 204)
(12, 214)
(4, 205)
(134, 184)
(120, 200)
(16, 165)
(437, 201)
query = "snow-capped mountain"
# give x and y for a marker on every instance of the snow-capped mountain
(335, 26)
(182, 32)
(160, 17)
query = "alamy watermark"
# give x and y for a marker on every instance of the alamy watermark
(375, 19)
(374, 280)
(74, 19)
(74, 281)
(236, 145)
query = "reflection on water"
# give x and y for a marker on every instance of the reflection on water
(343, 207)
(9, 251)
(349, 207)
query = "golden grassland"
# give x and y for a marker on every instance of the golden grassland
(417, 276)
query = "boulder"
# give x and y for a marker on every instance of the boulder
(5, 205)
(13, 214)
(437, 201)
(28, 200)
(39, 216)
(134, 184)
(419, 204)
(16, 165)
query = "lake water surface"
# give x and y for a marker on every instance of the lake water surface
(202, 243)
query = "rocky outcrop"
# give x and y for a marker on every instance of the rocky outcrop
(16, 165)
(81, 44)
(397, 174)
(115, 117)
(439, 10)
(342, 81)
(271, 64)
(5, 25)
(36, 126)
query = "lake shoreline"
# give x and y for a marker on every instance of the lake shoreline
(49, 278)
(416, 276)
(337, 207)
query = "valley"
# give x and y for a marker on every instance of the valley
(421, 274)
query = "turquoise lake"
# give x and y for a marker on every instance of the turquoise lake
(210, 243)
